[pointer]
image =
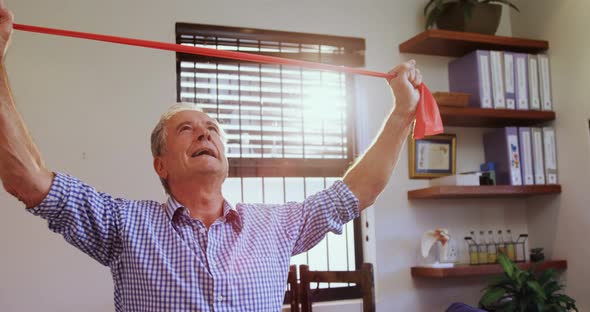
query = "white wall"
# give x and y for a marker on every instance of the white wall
(91, 106)
(559, 224)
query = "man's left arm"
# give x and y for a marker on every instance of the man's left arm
(370, 174)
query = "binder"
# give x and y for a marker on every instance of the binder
(496, 66)
(544, 82)
(526, 155)
(550, 155)
(501, 148)
(521, 77)
(471, 74)
(538, 159)
(509, 80)
(534, 102)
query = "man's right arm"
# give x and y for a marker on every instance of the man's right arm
(91, 221)
(22, 171)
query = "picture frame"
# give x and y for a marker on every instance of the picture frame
(432, 157)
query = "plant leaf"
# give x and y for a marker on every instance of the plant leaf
(501, 281)
(498, 279)
(546, 276)
(506, 265)
(428, 5)
(564, 298)
(491, 296)
(507, 2)
(432, 17)
(552, 287)
(467, 9)
(537, 289)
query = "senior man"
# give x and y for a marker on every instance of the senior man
(195, 252)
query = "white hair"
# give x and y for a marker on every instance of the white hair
(158, 137)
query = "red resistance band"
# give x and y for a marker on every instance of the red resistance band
(428, 121)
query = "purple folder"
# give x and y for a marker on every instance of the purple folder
(501, 148)
(471, 74)
(521, 79)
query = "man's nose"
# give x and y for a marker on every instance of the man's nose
(203, 134)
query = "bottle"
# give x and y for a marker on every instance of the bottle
(510, 250)
(492, 251)
(520, 247)
(471, 249)
(482, 249)
(500, 243)
(473, 258)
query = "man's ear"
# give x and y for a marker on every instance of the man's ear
(159, 168)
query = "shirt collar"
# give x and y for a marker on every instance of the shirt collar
(174, 209)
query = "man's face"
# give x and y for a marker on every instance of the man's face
(194, 149)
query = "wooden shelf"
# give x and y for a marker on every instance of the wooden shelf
(457, 44)
(492, 118)
(481, 270)
(487, 191)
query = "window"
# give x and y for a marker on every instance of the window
(290, 129)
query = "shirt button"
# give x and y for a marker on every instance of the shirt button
(212, 262)
(202, 231)
(220, 298)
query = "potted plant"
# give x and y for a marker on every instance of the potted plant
(525, 291)
(480, 16)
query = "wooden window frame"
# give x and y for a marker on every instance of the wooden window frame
(293, 167)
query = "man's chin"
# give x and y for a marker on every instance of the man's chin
(207, 166)
(212, 170)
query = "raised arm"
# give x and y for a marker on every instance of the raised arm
(22, 171)
(370, 174)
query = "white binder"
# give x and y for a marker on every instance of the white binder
(526, 155)
(550, 155)
(509, 81)
(521, 77)
(544, 82)
(538, 159)
(496, 66)
(534, 101)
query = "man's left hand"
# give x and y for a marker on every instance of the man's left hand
(405, 88)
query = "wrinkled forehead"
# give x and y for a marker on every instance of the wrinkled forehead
(191, 116)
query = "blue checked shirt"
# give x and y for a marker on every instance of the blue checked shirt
(162, 260)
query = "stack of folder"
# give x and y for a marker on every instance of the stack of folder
(503, 80)
(522, 156)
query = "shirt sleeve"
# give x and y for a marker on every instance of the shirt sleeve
(307, 223)
(89, 220)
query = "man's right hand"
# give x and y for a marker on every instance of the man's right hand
(6, 20)
(22, 171)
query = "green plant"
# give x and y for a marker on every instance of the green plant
(434, 8)
(525, 291)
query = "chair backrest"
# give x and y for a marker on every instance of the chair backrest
(292, 294)
(363, 278)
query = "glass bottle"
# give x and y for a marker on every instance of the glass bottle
(520, 246)
(510, 250)
(492, 251)
(471, 241)
(500, 243)
(471, 249)
(482, 249)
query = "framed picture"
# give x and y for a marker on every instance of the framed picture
(433, 156)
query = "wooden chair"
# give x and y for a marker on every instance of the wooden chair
(292, 293)
(363, 278)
